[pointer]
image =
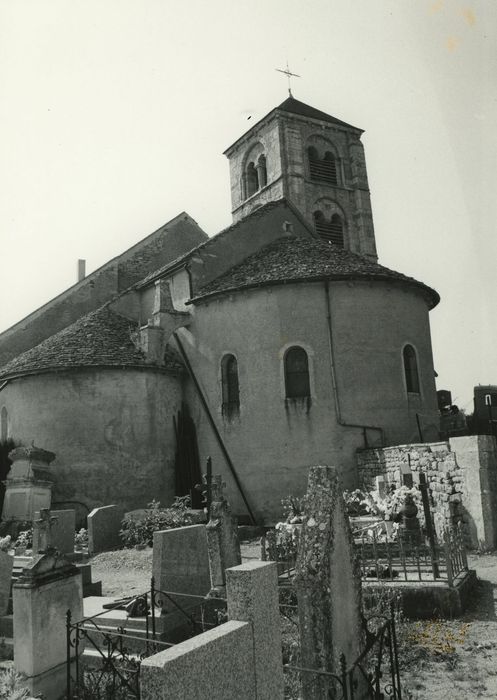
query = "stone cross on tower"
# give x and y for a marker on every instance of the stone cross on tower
(43, 529)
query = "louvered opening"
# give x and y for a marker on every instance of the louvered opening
(331, 231)
(323, 170)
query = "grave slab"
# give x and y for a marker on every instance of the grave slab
(104, 524)
(64, 531)
(181, 562)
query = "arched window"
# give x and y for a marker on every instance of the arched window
(297, 383)
(230, 388)
(261, 171)
(324, 169)
(411, 370)
(4, 425)
(252, 181)
(330, 230)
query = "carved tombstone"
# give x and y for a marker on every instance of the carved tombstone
(48, 588)
(42, 531)
(222, 539)
(28, 487)
(328, 585)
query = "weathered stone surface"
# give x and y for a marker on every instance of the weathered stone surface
(48, 587)
(23, 497)
(328, 583)
(43, 524)
(28, 484)
(104, 524)
(30, 462)
(464, 468)
(222, 541)
(180, 561)
(252, 594)
(64, 530)
(6, 565)
(216, 664)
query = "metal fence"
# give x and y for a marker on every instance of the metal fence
(117, 653)
(374, 674)
(401, 559)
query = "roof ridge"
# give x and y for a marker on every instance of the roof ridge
(223, 232)
(100, 338)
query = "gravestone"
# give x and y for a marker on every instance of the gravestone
(28, 487)
(43, 524)
(6, 565)
(181, 563)
(222, 539)
(328, 585)
(64, 530)
(381, 486)
(406, 475)
(47, 588)
(104, 524)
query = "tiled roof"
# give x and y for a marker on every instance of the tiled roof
(293, 106)
(102, 338)
(296, 107)
(293, 259)
(251, 219)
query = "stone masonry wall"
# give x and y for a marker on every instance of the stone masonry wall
(444, 477)
(461, 475)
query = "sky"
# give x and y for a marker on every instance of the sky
(115, 114)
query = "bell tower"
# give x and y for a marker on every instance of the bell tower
(313, 160)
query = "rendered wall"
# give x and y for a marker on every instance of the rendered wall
(112, 432)
(274, 440)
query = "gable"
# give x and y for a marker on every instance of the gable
(230, 247)
(171, 240)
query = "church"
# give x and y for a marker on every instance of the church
(276, 344)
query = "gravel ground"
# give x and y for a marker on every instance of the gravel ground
(456, 659)
(440, 659)
(127, 572)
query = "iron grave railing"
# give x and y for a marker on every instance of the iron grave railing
(110, 667)
(374, 674)
(387, 559)
(383, 557)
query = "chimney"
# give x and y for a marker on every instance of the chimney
(81, 270)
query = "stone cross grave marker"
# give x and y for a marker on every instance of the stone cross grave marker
(328, 585)
(222, 538)
(217, 488)
(42, 530)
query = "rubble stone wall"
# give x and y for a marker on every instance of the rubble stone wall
(461, 475)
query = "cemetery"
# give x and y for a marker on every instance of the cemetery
(349, 596)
